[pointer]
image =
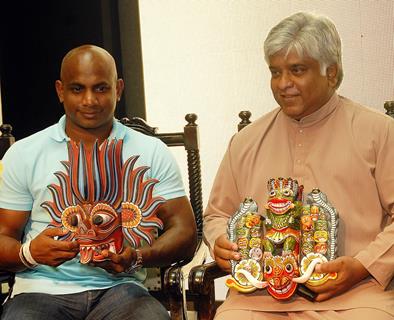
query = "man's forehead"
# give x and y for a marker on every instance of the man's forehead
(84, 60)
(84, 83)
(88, 78)
(290, 58)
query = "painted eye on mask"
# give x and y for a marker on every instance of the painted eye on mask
(289, 267)
(74, 220)
(103, 215)
(102, 219)
(287, 192)
(272, 193)
(71, 218)
(268, 269)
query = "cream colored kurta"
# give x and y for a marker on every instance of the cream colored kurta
(347, 151)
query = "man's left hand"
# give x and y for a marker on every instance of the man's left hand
(350, 272)
(116, 263)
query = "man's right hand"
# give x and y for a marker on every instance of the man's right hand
(224, 251)
(46, 250)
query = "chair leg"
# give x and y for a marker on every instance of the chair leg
(206, 306)
(173, 284)
(202, 287)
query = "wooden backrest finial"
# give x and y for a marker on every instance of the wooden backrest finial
(389, 106)
(245, 119)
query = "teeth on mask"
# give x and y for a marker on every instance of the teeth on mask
(86, 255)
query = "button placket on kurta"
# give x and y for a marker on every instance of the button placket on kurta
(299, 153)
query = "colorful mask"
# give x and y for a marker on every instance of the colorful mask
(101, 200)
(293, 232)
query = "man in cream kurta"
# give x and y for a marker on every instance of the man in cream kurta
(324, 141)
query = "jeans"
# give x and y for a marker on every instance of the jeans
(125, 301)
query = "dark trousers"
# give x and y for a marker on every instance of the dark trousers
(125, 301)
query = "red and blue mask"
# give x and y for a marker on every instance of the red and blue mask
(101, 201)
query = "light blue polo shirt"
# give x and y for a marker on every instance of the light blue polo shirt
(29, 167)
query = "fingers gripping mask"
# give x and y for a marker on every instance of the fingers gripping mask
(101, 200)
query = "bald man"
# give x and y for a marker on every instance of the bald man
(51, 280)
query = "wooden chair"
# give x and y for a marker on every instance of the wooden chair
(202, 277)
(165, 284)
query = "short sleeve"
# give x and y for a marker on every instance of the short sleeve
(14, 191)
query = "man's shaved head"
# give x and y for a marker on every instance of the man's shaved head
(87, 53)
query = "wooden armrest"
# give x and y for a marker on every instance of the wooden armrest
(202, 288)
(201, 278)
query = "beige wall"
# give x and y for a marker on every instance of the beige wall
(205, 56)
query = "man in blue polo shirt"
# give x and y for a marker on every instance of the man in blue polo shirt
(65, 279)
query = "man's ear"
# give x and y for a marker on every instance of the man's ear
(332, 72)
(59, 90)
(119, 89)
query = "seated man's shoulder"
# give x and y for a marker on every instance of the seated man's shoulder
(143, 145)
(35, 141)
(365, 115)
(256, 128)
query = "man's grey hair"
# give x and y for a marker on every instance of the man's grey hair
(309, 35)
